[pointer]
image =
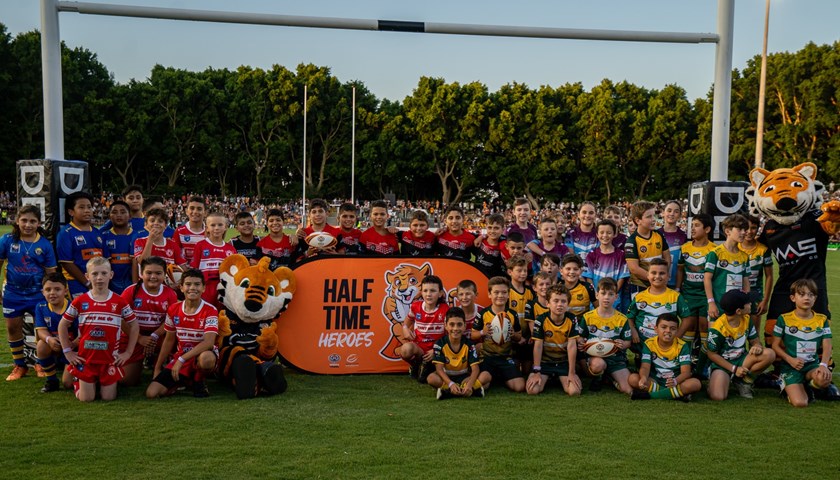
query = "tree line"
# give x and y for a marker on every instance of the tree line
(240, 132)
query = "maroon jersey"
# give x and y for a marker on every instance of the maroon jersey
(190, 329)
(373, 243)
(149, 309)
(169, 251)
(428, 326)
(459, 246)
(186, 240)
(100, 325)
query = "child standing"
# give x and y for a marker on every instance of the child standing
(761, 276)
(547, 242)
(607, 261)
(674, 236)
(488, 248)
(246, 243)
(418, 241)
(581, 294)
(78, 242)
(118, 246)
(582, 238)
(691, 265)
(378, 240)
(643, 245)
(276, 245)
(189, 234)
(209, 253)
(156, 244)
(347, 217)
(454, 241)
(522, 221)
(649, 304)
(466, 293)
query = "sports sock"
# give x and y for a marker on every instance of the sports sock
(673, 392)
(16, 346)
(477, 385)
(48, 366)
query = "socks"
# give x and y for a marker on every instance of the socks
(664, 393)
(48, 366)
(16, 346)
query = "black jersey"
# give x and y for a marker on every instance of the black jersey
(248, 249)
(417, 247)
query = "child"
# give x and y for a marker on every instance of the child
(276, 245)
(78, 242)
(454, 241)
(156, 244)
(466, 293)
(613, 214)
(318, 210)
(798, 338)
(497, 357)
(524, 352)
(101, 315)
(192, 325)
(643, 246)
(48, 347)
(347, 218)
(607, 261)
(246, 243)
(674, 236)
(192, 232)
(378, 240)
(581, 294)
(583, 238)
(734, 349)
(727, 267)
(550, 265)
(488, 248)
(666, 364)
(418, 240)
(30, 257)
(522, 224)
(457, 371)
(168, 232)
(761, 276)
(132, 196)
(423, 327)
(209, 253)
(150, 300)
(118, 246)
(648, 305)
(519, 294)
(548, 241)
(606, 323)
(691, 265)
(556, 357)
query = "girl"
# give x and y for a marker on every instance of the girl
(674, 236)
(423, 327)
(30, 256)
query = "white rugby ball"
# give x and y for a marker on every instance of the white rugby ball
(500, 329)
(600, 348)
(320, 240)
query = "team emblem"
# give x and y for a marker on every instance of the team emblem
(593, 329)
(112, 244)
(80, 240)
(724, 263)
(138, 302)
(641, 305)
(205, 252)
(580, 296)
(549, 334)
(113, 307)
(643, 249)
(186, 238)
(15, 248)
(793, 329)
(38, 251)
(85, 306)
(176, 319)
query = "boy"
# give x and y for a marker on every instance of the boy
(581, 294)
(649, 304)
(466, 293)
(378, 240)
(605, 323)
(276, 245)
(606, 261)
(727, 267)
(209, 253)
(168, 232)
(156, 244)
(347, 217)
(488, 248)
(192, 325)
(761, 276)
(522, 221)
(690, 267)
(555, 346)
(734, 349)
(550, 265)
(497, 357)
(454, 241)
(666, 365)
(47, 316)
(613, 214)
(246, 243)
(674, 236)
(643, 245)
(78, 242)
(192, 232)
(418, 240)
(533, 309)
(798, 338)
(318, 210)
(547, 242)
(583, 237)
(519, 294)
(118, 246)
(101, 315)
(132, 195)
(457, 371)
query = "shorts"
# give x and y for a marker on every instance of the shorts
(14, 305)
(791, 376)
(555, 369)
(523, 352)
(697, 306)
(615, 363)
(104, 374)
(755, 298)
(735, 361)
(189, 370)
(459, 379)
(500, 368)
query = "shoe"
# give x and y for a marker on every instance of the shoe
(831, 393)
(810, 392)
(442, 394)
(40, 371)
(596, 384)
(17, 373)
(478, 392)
(744, 389)
(414, 371)
(639, 395)
(424, 370)
(766, 380)
(686, 398)
(51, 385)
(200, 390)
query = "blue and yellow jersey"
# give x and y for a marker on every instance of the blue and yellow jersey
(555, 336)
(47, 318)
(489, 347)
(728, 269)
(77, 247)
(802, 337)
(455, 362)
(646, 307)
(693, 261)
(517, 302)
(665, 363)
(25, 264)
(119, 250)
(644, 250)
(759, 258)
(581, 298)
(730, 342)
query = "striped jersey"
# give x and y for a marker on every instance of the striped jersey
(100, 325)
(186, 240)
(665, 363)
(190, 328)
(759, 258)
(455, 362)
(555, 336)
(801, 337)
(646, 307)
(693, 261)
(729, 270)
(644, 250)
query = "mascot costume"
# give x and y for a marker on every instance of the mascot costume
(253, 297)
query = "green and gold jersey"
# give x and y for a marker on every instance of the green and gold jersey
(455, 362)
(581, 298)
(693, 261)
(665, 363)
(730, 342)
(644, 250)
(758, 259)
(802, 338)
(518, 301)
(555, 337)
(616, 327)
(489, 347)
(646, 307)
(728, 270)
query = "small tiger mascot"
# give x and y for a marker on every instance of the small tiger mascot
(253, 297)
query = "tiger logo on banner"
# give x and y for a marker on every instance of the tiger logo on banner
(403, 289)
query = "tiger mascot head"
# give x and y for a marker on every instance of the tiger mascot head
(785, 194)
(253, 292)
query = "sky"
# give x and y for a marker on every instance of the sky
(390, 64)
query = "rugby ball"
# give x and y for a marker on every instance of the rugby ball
(600, 348)
(500, 329)
(320, 240)
(173, 275)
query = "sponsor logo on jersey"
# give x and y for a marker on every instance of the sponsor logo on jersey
(97, 332)
(138, 302)
(15, 248)
(80, 239)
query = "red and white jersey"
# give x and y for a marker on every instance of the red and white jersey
(149, 309)
(469, 321)
(186, 240)
(100, 325)
(208, 256)
(190, 329)
(169, 251)
(375, 244)
(428, 326)
(334, 231)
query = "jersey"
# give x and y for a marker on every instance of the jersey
(675, 241)
(207, 258)
(581, 298)
(489, 347)
(580, 242)
(47, 319)
(518, 300)
(428, 326)
(488, 259)
(169, 251)
(100, 326)
(529, 233)
(802, 338)
(282, 253)
(459, 246)
(614, 327)
(334, 231)
(118, 248)
(249, 250)
(350, 241)
(555, 337)
(190, 328)
(758, 258)
(729, 270)
(560, 249)
(138, 225)
(25, 265)
(647, 307)
(455, 363)
(665, 363)
(186, 240)
(731, 343)
(693, 261)
(372, 243)
(77, 246)
(417, 247)
(600, 265)
(149, 309)
(643, 249)
(533, 309)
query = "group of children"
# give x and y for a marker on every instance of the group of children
(686, 312)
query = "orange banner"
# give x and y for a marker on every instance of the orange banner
(346, 310)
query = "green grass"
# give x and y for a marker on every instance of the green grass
(387, 426)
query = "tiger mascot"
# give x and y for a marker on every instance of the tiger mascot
(253, 297)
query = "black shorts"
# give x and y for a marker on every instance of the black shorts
(500, 368)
